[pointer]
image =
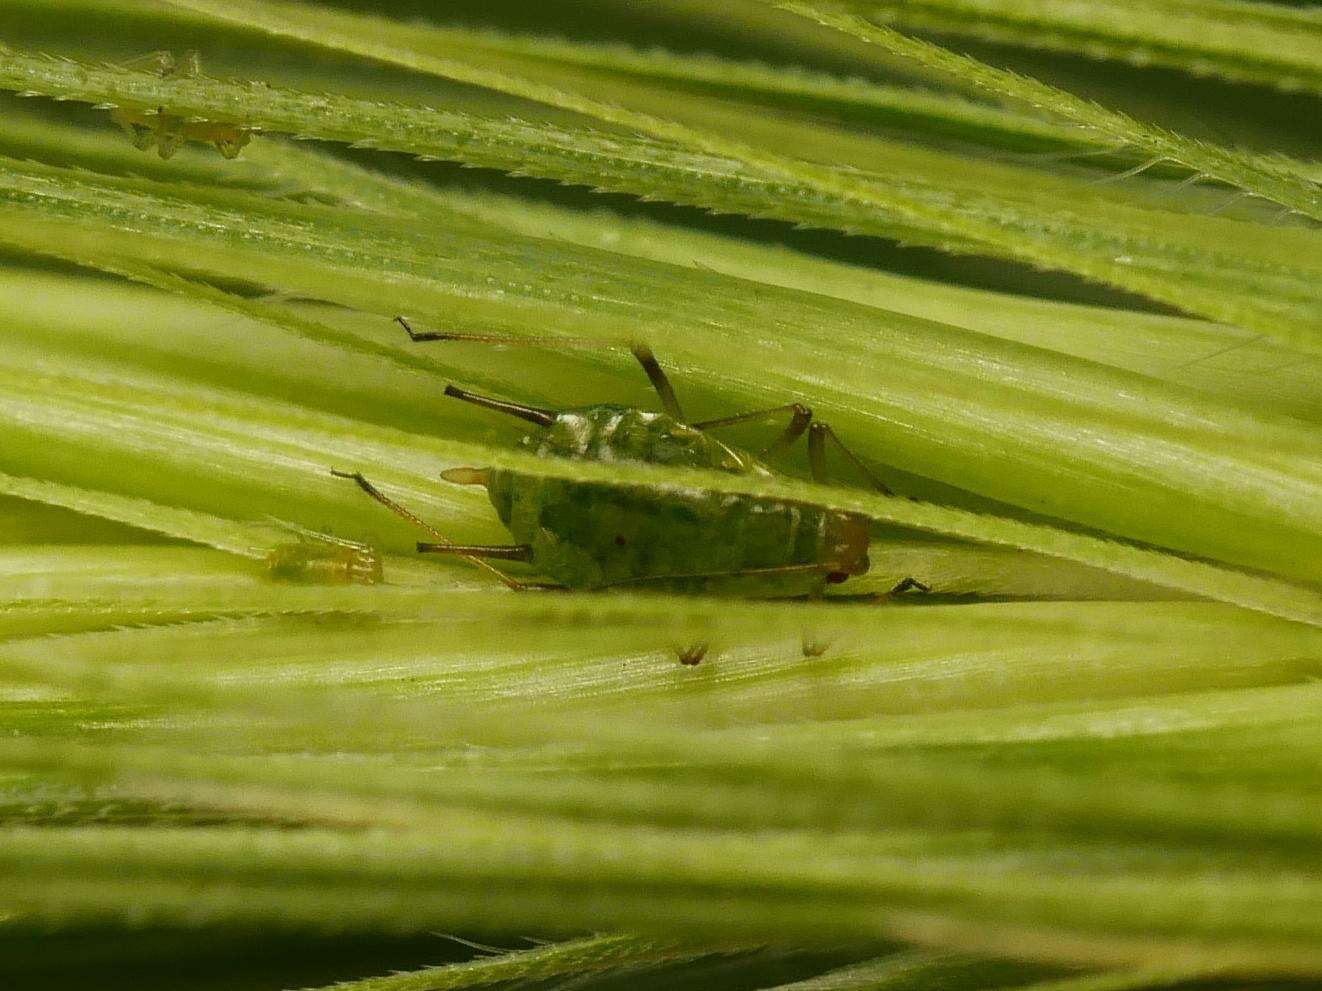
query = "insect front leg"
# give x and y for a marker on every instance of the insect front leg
(469, 554)
(818, 435)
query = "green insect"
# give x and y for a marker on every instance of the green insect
(167, 132)
(588, 535)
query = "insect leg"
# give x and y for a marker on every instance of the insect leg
(403, 513)
(773, 571)
(818, 434)
(817, 437)
(501, 339)
(800, 417)
(140, 133)
(812, 647)
(503, 552)
(169, 133)
(161, 62)
(905, 584)
(190, 65)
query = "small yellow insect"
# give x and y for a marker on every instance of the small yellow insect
(321, 559)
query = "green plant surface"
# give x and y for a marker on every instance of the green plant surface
(572, 958)
(385, 41)
(1252, 174)
(1086, 760)
(1187, 431)
(1216, 359)
(1269, 44)
(1254, 276)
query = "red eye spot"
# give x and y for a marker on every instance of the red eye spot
(836, 577)
(619, 540)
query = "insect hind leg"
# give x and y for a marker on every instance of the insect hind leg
(500, 552)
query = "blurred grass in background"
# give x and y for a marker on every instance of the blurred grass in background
(1052, 269)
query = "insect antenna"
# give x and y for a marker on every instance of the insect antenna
(541, 417)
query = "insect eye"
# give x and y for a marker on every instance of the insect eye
(836, 577)
(619, 540)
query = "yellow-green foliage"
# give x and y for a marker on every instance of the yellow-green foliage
(1078, 337)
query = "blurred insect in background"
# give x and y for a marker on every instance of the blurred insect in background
(321, 559)
(166, 132)
(590, 535)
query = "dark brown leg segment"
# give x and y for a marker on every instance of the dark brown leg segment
(905, 585)
(533, 414)
(655, 374)
(664, 390)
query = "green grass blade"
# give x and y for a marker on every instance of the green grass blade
(909, 212)
(1269, 44)
(1180, 442)
(1086, 762)
(1254, 174)
(570, 959)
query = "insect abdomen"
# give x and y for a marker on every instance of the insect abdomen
(587, 535)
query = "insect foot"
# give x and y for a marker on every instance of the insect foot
(692, 654)
(906, 585)
(812, 647)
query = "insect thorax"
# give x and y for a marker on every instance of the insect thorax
(586, 534)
